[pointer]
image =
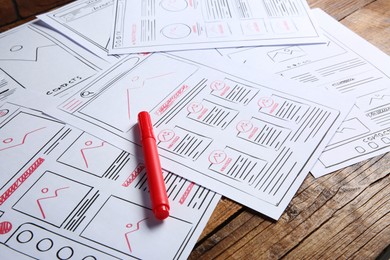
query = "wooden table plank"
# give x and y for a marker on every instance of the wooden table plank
(341, 215)
(339, 8)
(225, 210)
(340, 210)
(373, 23)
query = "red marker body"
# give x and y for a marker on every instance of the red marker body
(158, 192)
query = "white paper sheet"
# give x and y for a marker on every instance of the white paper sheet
(166, 25)
(87, 22)
(40, 59)
(224, 128)
(348, 66)
(65, 194)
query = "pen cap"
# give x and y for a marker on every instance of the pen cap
(145, 125)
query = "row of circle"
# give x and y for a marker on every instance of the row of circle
(46, 244)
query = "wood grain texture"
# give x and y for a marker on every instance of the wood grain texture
(373, 23)
(33, 7)
(339, 9)
(343, 215)
(15, 24)
(225, 209)
(8, 12)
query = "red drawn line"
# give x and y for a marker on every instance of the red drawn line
(20, 180)
(71, 105)
(216, 156)
(137, 228)
(228, 161)
(68, 104)
(88, 148)
(128, 103)
(5, 227)
(286, 25)
(133, 175)
(273, 108)
(186, 193)
(165, 134)
(172, 99)
(50, 197)
(75, 105)
(24, 139)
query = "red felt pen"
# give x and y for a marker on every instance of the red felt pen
(158, 192)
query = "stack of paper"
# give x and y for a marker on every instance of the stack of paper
(246, 97)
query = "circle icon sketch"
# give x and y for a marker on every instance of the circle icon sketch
(16, 48)
(217, 157)
(5, 227)
(174, 5)
(265, 102)
(44, 245)
(24, 236)
(87, 94)
(194, 107)
(217, 85)
(244, 126)
(176, 31)
(4, 112)
(166, 135)
(8, 140)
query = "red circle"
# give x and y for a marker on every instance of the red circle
(194, 107)
(5, 227)
(217, 157)
(166, 135)
(245, 126)
(265, 102)
(129, 225)
(3, 112)
(8, 140)
(217, 85)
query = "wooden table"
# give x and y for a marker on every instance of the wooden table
(341, 215)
